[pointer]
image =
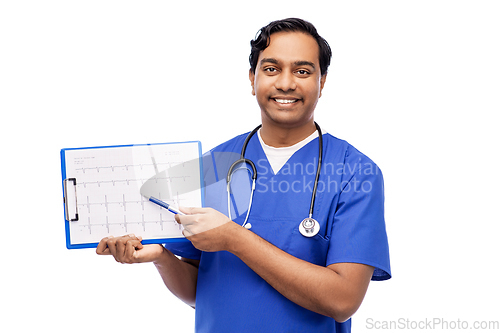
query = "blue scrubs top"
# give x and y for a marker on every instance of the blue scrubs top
(349, 207)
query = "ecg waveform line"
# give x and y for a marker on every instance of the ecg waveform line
(127, 166)
(127, 181)
(125, 224)
(124, 203)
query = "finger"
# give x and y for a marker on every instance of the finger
(193, 210)
(186, 220)
(137, 243)
(121, 247)
(185, 210)
(131, 248)
(102, 247)
(112, 245)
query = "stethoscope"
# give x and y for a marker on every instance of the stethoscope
(309, 227)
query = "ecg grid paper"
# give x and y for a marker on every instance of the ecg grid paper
(108, 189)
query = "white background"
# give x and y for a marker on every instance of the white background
(413, 84)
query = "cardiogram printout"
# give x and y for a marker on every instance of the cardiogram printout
(102, 191)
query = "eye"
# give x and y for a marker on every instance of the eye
(271, 70)
(303, 72)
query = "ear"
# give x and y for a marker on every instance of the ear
(251, 76)
(321, 84)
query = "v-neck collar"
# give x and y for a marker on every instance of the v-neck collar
(256, 153)
(278, 157)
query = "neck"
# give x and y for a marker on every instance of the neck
(277, 136)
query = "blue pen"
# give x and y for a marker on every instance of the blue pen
(166, 206)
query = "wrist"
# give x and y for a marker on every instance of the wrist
(162, 257)
(239, 237)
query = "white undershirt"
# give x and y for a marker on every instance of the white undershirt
(277, 157)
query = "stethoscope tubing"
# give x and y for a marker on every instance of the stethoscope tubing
(318, 170)
(242, 159)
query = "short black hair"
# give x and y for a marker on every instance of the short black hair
(262, 40)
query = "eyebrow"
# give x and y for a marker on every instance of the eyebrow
(304, 63)
(270, 60)
(296, 63)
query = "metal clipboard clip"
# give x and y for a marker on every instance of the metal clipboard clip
(70, 203)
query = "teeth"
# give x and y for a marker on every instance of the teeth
(285, 101)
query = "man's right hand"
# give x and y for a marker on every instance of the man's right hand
(129, 249)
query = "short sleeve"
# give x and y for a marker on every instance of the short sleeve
(184, 249)
(358, 229)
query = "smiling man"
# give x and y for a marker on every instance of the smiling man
(287, 82)
(265, 270)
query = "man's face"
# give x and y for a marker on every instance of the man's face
(287, 80)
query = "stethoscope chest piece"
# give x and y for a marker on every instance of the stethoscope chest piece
(309, 227)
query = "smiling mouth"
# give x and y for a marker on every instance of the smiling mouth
(285, 101)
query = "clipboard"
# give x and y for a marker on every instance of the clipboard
(102, 191)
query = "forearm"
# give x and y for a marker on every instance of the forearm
(179, 276)
(335, 291)
(319, 289)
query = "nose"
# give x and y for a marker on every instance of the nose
(285, 81)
